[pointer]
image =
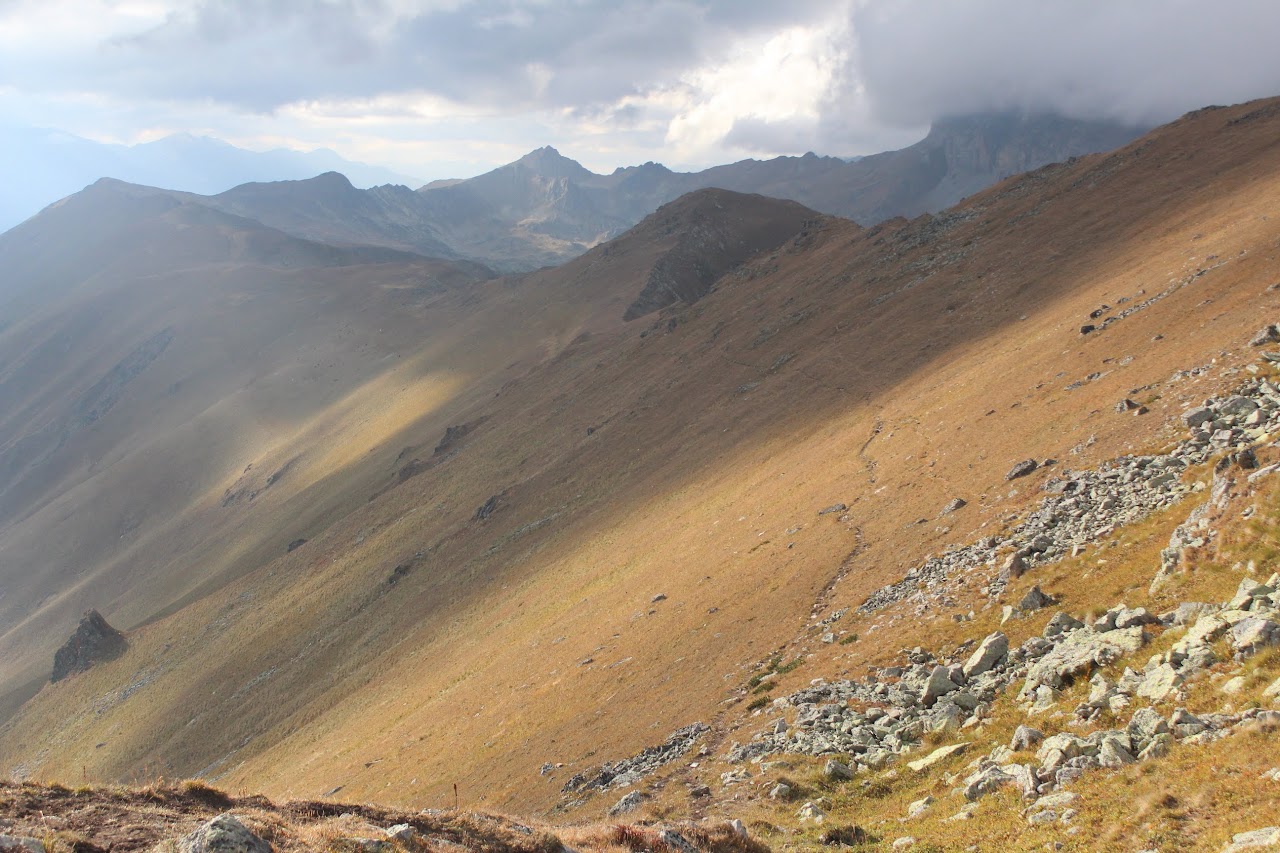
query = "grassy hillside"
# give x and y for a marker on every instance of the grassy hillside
(651, 489)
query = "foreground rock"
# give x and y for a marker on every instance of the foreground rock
(93, 642)
(224, 834)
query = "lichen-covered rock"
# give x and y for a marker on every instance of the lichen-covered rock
(20, 844)
(223, 834)
(1080, 652)
(989, 652)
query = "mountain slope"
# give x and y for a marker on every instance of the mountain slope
(627, 517)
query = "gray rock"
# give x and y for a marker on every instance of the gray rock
(1250, 635)
(1022, 469)
(94, 641)
(990, 651)
(676, 841)
(1183, 724)
(940, 754)
(1034, 600)
(1254, 839)
(1147, 723)
(1160, 682)
(810, 811)
(1061, 623)
(629, 803)
(837, 771)
(781, 791)
(403, 832)
(1113, 754)
(984, 782)
(920, 806)
(20, 844)
(223, 834)
(953, 505)
(939, 684)
(1079, 652)
(1266, 335)
(1025, 737)
(1014, 567)
(1198, 417)
(1158, 747)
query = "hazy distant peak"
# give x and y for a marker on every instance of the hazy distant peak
(550, 163)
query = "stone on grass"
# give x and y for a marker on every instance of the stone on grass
(940, 754)
(20, 844)
(1254, 839)
(629, 802)
(939, 684)
(837, 771)
(223, 834)
(1160, 682)
(920, 806)
(989, 652)
(1025, 737)
(810, 811)
(1022, 469)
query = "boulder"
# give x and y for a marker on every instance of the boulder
(1160, 682)
(1022, 469)
(1113, 754)
(1146, 724)
(939, 684)
(1080, 652)
(989, 652)
(1034, 600)
(1250, 635)
(676, 841)
(1025, 737)
(940, 754)
(810, 811)
(223, 834)
(20, 844)
(920, 806)
(629, 803)
(837, 771)
(1254, 839)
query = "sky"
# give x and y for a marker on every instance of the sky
(451, 88)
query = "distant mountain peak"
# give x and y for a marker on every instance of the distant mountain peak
(550, 163)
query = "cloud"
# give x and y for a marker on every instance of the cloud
(517, 54)
(1136, 60)
(687, 82)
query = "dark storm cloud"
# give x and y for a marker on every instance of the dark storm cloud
(1136, 60)
(260, 54)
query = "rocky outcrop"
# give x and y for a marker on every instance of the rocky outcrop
(93, 642)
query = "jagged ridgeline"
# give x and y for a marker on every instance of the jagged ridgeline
(943, 529)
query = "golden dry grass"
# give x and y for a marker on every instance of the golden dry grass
(532, 636)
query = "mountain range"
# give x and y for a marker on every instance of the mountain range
(43, 166)
(545, 209)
